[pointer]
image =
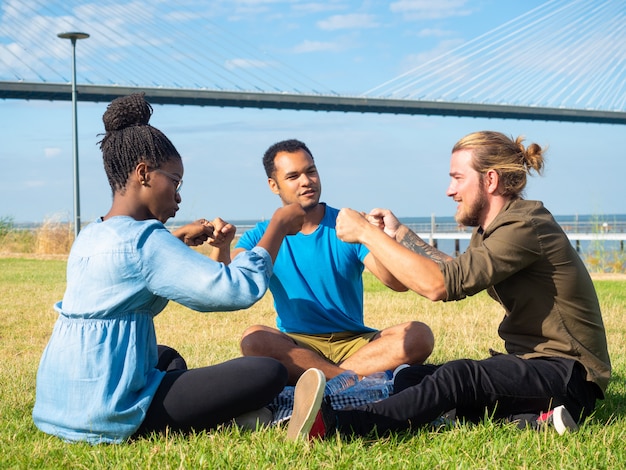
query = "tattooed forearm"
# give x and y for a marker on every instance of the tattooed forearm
(414, 243)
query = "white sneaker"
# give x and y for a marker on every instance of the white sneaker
(399, 368)
(560, 418)
(307, 401)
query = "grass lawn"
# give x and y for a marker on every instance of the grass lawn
(29, 287)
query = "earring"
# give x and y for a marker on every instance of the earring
(143, 182)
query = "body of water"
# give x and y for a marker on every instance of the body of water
(613, 223)
(572, 224)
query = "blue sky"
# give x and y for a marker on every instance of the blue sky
(365, 161)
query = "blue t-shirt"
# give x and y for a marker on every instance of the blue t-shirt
(317, 283)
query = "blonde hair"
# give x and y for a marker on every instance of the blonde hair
(509, 158)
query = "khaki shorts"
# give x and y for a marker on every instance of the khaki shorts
(336, 347)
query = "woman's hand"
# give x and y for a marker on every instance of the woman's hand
(195, 233)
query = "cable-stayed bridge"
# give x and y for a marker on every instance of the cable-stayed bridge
(562, 61)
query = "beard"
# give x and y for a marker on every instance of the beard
(469, 216)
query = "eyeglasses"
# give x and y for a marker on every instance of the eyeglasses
(174, 178)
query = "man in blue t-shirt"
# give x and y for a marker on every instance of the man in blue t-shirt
(318, 288)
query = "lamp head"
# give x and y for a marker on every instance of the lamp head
(73, 35)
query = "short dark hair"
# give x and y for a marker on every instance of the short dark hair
(289, 146)
(130, 140)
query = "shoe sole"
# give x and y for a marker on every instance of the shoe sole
(307, 401)
(563, 421)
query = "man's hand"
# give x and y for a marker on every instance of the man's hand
(351, 225)
(290, 218)
(386, 220)
(286, 220)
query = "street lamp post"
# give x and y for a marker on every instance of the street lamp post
(74, 36)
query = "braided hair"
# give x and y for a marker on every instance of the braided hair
(130, 140)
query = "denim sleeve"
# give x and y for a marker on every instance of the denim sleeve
(174, 271)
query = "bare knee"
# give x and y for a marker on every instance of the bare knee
(413, 341)
(260, 340)
(420, 341)
(252, 340)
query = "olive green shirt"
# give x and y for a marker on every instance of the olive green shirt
(528, 264)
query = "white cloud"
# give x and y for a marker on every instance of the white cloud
(317, 7)
(255, 7)
(181, 16)
(428, 9)
(51, 152)
(316, 46)
(433, 33)
(413, 61)
(254, 3)
(34, 183)
(351, 21)
(232, 64)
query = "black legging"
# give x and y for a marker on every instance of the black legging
(201, 399)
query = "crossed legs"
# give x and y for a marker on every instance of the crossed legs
(406, 343)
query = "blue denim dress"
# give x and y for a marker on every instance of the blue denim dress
(97, 375)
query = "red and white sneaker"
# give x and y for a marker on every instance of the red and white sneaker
(307, 401)
(318, 429)
(560, 418)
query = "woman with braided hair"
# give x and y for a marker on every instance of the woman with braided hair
(100, 379)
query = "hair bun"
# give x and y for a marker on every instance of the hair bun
(127, 111)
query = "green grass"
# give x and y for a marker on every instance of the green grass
(28, 289)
